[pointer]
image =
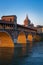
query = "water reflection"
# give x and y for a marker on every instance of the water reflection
(23, 50)
(29, 48)
(8, 55)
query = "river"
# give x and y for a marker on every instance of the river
(32, 54)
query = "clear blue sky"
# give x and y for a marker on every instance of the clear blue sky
(34, 9)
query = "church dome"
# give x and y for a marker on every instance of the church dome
(26, 21)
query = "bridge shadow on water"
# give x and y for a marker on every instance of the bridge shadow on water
(14, 55)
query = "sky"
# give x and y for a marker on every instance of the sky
(21, 8)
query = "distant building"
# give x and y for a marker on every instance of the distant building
(31, 26)
(27, 22)
(39, 29)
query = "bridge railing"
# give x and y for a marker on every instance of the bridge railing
(4, 29)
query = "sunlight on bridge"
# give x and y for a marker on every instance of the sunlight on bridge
(21, 38)
(30, 37)
(36, 38)
(6, 40)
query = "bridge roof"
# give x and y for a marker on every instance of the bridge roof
(22, 26)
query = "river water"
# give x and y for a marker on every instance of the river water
(31, 54)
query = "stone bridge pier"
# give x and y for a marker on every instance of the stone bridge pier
(20, 36)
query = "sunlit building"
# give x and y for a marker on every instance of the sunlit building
(9, 18)
(39, 29)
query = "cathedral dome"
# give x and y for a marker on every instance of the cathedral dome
(27, 21)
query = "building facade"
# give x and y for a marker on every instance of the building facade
(39, 29)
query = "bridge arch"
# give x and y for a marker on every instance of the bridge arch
(5, 39)
(21, 38)
(30, 37)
